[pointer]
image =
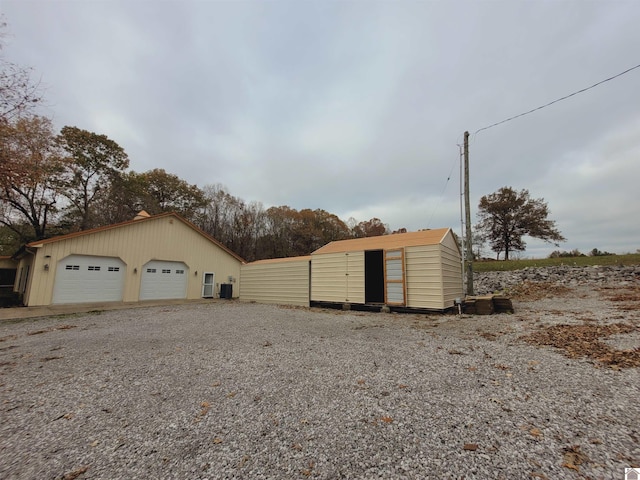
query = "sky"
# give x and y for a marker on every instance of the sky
(359, 108)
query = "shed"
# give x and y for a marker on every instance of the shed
(283, 281)
(148, 258)
(415, 270)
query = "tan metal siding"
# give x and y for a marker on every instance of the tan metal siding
(424, 278)
(136, 244)
(451, 271)
(284, 283)
(329, 278)
(355, 282)
(338, 277)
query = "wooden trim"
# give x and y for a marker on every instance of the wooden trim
(395, 254)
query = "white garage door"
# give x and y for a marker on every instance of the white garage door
(86, 278)
(163, 280)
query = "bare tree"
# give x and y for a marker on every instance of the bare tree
(19, 94)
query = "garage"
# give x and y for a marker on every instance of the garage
(163, 280)
(88, 278)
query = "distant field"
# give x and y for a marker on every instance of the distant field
(499, 265)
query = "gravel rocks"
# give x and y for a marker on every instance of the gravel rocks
(236, 390)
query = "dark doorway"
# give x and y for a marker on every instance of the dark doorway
(373, 276)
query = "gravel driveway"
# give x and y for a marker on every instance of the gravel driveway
(236, 390)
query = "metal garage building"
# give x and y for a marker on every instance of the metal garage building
(149, 258)
(282, 281)
(420, 270)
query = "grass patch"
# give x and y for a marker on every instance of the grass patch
(508, 265)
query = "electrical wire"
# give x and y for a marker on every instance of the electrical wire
(557, 100)
(433, 211)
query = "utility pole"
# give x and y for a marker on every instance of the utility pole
(467, 215)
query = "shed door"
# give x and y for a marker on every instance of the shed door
(88, 278)
(163, 280)
(394, 291)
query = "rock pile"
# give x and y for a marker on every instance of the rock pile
(493, 282)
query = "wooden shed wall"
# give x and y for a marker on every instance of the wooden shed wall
(284, 283)
(136, 244)
(338, 277)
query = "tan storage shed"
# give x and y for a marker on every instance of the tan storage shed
(148, 258)
(283, 281)
(415, 270)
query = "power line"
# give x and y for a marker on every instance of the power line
(557, 100)
(433, 210)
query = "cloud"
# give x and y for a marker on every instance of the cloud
(357, 108)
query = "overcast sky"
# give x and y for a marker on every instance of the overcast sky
(358, 107)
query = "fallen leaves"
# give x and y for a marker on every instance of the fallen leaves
(471, 447)
(48, 359)
(75, 473)
(205, 407)
(51, 329)
(487, 335)
(583, 341)
(67, 416)
(307, 471)
(38, 332)
(572, 458)
(535, 432)
(530, 291)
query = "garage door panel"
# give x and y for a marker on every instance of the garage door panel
(88, 278)
(163, 280)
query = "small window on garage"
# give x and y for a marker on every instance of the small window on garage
(180, 272)
(72, 267)
(151, 270)
(93, 268)
(166, 270)
(114, 269)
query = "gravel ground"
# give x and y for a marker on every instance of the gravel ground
(233, 390)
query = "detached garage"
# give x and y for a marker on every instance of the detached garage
(415, 270)
(149, 258)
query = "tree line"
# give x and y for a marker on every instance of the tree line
(52, 183)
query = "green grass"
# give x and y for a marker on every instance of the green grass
(500, 265)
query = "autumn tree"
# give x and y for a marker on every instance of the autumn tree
(166, 192)
(92, 162)
(30, 163)
(237, 224)
(369, 228)
(19, 94)
(506, 216)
